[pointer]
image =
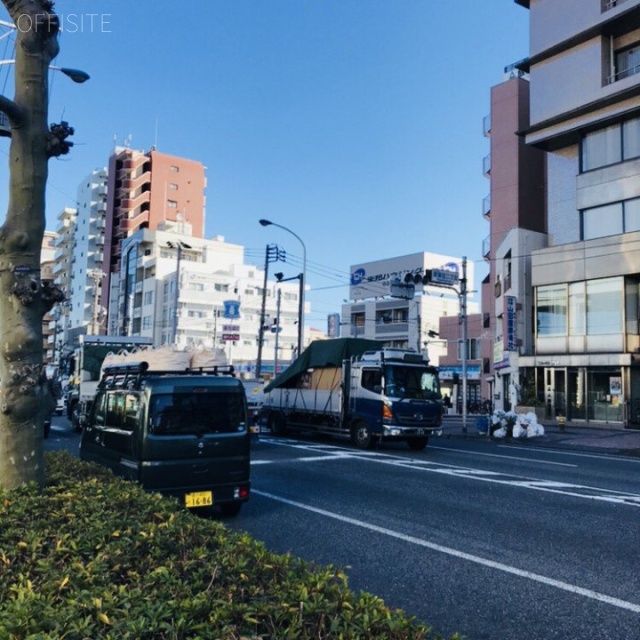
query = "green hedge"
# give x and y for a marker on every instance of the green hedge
(92, 556)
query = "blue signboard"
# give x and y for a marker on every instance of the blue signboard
(231, 309)
(510, 323)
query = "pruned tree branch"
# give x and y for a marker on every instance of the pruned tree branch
(13, 111)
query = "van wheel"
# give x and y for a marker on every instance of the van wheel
(361, 435)
(418, 444)
(231, 509)
(277, 424)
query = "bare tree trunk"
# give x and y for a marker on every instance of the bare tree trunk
(25, 401)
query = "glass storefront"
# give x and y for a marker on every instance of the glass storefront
(594, 394)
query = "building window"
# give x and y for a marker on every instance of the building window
(610, 145)
(173, 186)
(147, 322)
(174, 169)
(601, 148)
(290, 296)
(196, 286)
(602, 221)
(627, 62)
(604, 306)
(473, 352)
(172, 204)
(594, 307)
(611, 219)
(552, 310)
(148, 297)
(224, 288)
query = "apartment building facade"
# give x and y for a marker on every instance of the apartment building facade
(584, 68)
(145, 191)
(190, 292)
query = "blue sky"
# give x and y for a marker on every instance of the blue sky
(355, 123)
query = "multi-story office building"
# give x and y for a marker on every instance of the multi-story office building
(375, 312)
(146, 191)
(584, 67)
(186, 291)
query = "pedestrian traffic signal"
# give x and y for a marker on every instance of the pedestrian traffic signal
(419, 279)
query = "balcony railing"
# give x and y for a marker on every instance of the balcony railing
(486, 165)
(486, 126)
(486, 247)
(486, 206)
(624, 73)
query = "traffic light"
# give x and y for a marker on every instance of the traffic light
(419, 279)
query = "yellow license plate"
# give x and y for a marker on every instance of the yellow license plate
(198, 499)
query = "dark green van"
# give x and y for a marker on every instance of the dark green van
(184, 434)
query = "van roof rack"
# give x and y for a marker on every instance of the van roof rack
(123, 375)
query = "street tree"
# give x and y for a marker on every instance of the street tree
(25, 400)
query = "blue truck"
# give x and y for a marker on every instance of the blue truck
(357, 388)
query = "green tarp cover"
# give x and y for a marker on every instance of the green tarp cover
(323, 353)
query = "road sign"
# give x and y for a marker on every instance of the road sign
(231, 337)
(445, 277)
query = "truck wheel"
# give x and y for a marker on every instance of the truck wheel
(361, 435)
(418, 444)
(277, 424)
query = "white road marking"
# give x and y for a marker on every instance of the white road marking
(499, 566)
(562, 488)
(481, 454)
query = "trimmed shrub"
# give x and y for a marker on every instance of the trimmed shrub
(93, 556)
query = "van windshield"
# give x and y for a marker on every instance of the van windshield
(197, 413)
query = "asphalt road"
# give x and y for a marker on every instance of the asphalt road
(500, 542)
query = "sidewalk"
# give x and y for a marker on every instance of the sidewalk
(595, 439)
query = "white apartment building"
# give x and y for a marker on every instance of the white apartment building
(584, 66)
(86, 255)
(189, 292)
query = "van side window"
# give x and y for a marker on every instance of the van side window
(99, 410)
(131, 411)
(121, 411)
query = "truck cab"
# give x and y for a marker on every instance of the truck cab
(394, 394)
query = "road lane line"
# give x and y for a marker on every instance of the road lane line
(497, 455)
(505, 479)
(499, 566)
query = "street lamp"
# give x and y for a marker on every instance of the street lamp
(75, 74)
(303, 280)
(179, 246)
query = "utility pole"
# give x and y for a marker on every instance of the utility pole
(464, 353)
(96, 275)
(271, 254)
(179, 246)
(277, 326)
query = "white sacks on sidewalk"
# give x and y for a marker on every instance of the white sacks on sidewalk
(517, 425)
